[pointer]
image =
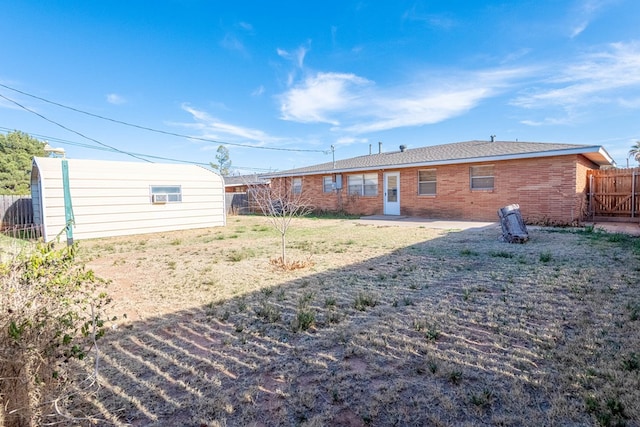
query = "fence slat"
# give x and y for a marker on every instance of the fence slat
(16, 217)
(615, 193)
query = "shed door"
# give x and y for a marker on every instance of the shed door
(392, 193)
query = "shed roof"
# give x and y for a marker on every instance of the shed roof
(240, 180)
(455, 153)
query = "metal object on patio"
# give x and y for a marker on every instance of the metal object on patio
(513, 228)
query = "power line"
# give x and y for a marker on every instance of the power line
(158, 130)
(71, 130)
(151, 156)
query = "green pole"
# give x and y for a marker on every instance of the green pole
(68, 208)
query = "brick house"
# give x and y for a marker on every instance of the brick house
(465, 180)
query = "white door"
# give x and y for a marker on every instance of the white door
(392, 193)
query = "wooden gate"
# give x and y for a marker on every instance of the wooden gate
(614, 194)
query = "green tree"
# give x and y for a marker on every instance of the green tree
(17, 150)
(223, 164)
(635, 151)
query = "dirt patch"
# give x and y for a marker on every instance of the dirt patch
(390, 326)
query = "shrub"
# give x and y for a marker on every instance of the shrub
(364, 300)
(305, 319)
(268, 312)
(51, 313)
(545, 256)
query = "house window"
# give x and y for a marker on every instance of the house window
(481, 177)
(166, 194)
(327, 184)
(296, 185)
(364, 185)
(427, 182)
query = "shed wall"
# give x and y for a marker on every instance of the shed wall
(114, 198)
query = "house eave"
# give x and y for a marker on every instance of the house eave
(596, 154)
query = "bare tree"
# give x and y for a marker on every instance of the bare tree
(282, 200)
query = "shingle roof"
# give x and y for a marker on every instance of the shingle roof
(459, 152)
(240, 180)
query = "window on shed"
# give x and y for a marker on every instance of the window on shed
(363, 184)
(427, 182)
(166, 193)
(481, 177)
(296, 185)
(327, 184)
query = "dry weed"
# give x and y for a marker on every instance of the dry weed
(290, 265)
(404, 326)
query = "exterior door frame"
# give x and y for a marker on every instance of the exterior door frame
(391, 193)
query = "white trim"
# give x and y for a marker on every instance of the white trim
(391, 208)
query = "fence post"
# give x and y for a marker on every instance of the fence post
(633, 194)
(592, 211)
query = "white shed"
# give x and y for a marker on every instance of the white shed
(105, 198)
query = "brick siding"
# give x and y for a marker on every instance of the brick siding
(548, 190)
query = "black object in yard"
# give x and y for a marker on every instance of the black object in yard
(513, 228)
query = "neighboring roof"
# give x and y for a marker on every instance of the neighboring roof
(240, 180)
(459, 152)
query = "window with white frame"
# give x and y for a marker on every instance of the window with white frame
(327, 184)
(363, 184)
(296, 185)
(427, 182)
(166, 193)
(481, 177)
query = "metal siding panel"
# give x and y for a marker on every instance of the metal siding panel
(112, 198)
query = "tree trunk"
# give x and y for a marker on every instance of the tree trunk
(17, 397)
(284, 246)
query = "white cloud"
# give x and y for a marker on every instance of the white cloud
(603, 77)
(349, 140)
(258, 91)
(441, 21)
(420, 109)
(354, 104)
(633, 103)
(213, 128)
(585, 13)
(578, 29)
(297, 56)
(514, 56)
(231, 42)
(320, 97)
(548, 121)
(115, 99)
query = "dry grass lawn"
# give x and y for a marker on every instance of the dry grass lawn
(384, 326)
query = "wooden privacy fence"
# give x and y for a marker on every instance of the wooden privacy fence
(614, 194)
(16, 217)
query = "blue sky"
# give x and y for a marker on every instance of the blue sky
(280, 82)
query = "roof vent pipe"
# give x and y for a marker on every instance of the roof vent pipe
(493, 138)
(402, 148)
(369, 149)
(379, 147)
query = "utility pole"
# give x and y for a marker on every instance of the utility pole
(333, 154)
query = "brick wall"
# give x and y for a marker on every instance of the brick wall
(548, 190)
